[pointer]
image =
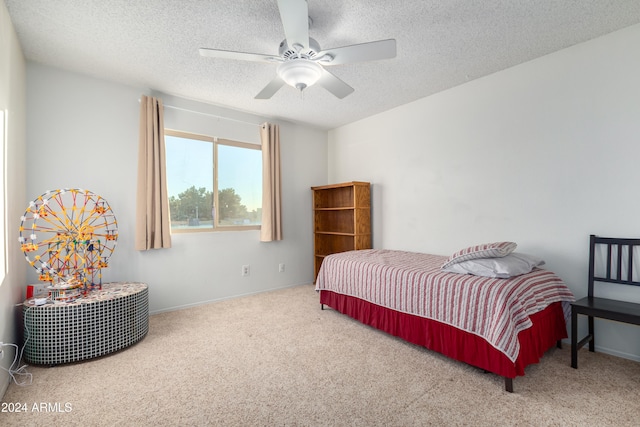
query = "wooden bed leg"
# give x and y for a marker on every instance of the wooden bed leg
(559, 344)
(321, 306)
(508, 384)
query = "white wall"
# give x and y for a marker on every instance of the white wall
(543, 154)
(13, 102)
(83, 133)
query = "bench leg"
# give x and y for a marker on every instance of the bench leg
(592, 343)
(574, 339)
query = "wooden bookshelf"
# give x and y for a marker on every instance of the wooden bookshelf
(341, 219)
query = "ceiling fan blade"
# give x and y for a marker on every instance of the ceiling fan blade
(271, 88)
(229, 54)
(295, 20)
(334, 85)
(371, 51)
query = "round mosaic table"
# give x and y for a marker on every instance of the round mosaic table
(102, 322)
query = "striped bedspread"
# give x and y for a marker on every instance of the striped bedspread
(494, 309)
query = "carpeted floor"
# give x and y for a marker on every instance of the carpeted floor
(276, 359)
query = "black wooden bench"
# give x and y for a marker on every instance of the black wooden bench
(618, 252)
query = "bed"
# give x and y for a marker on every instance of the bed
(500, 325)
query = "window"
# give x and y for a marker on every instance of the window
(3, 192)
(213, 184)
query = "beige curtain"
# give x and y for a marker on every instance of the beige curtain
(271, 228)
(152, 204)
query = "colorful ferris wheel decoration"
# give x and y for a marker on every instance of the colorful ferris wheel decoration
(68, 236)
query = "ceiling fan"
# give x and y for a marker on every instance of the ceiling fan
(301, 61)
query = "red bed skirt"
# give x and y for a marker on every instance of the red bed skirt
(548, 327)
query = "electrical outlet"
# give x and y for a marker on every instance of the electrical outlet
(246, 270)
(281, 268)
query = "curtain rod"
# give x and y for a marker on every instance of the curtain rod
(210, 115)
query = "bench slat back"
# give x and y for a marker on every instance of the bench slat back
(618, 252)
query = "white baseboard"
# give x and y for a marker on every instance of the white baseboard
(203, 302)
(617, 353)
(606, 350)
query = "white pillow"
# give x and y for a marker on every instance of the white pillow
(504, 267)
(486, 250)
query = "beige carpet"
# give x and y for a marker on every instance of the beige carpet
(276, 359)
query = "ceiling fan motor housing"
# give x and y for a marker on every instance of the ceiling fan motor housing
(289, 52)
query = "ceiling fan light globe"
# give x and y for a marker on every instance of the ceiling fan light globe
(300, 73)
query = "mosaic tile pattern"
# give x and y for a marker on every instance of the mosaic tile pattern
(103, 322)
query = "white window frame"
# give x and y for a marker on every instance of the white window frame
(3, 194)
(216, 142)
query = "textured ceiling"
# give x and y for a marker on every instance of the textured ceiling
(441, 44)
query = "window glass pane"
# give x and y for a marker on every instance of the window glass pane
(3, 148)
(239, 186)
(190, 182)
